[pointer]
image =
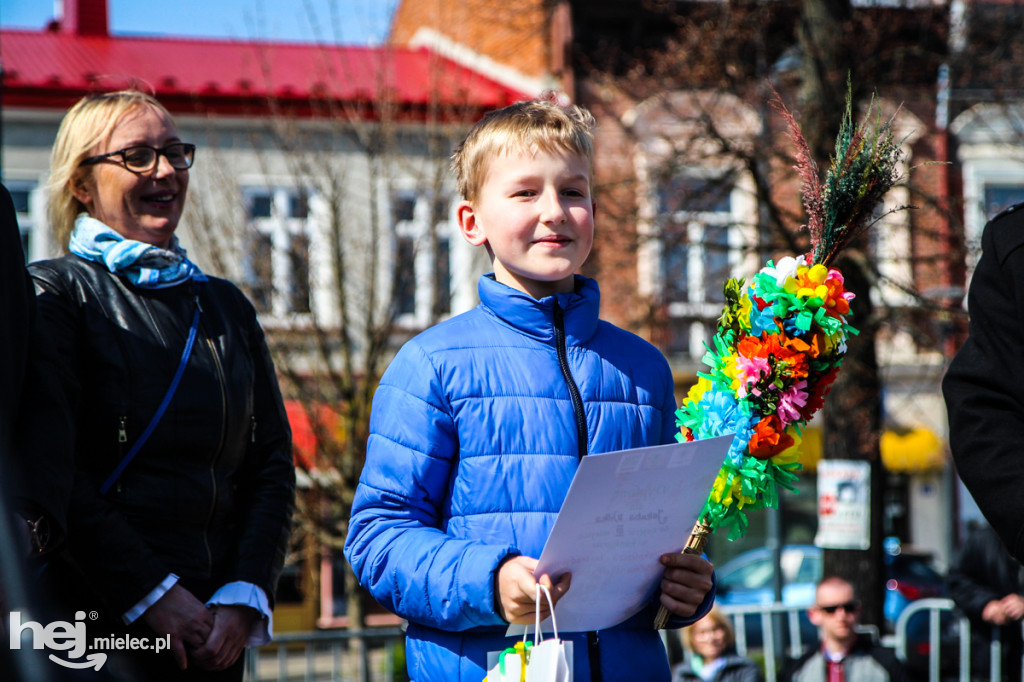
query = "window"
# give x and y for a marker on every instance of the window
(277, 253)
(698, 252)
(999, 197)
(421, 257)
(21, 194)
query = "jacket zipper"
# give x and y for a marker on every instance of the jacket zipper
(220, 444)
(574, 391)
(122, 438)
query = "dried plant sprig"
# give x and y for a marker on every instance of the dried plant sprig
(865, 166)
(811, 190)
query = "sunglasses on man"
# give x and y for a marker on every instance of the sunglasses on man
(849, 607)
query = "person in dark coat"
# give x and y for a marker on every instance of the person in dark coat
(710, 654)
(984, 385)
(35, 448)
(35, 456)
(987, 585)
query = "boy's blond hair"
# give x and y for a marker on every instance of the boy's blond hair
(540, 124)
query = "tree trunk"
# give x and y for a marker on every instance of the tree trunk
(823, 71)
(852, 422)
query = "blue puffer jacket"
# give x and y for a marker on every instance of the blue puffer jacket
(476, 431)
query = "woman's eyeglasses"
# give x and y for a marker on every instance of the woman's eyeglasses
(848, 607)
(143, 158)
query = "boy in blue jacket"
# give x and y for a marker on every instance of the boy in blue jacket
(479, 423)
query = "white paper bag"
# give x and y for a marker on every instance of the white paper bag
(546, 660)
(505, 666)
(549, 660)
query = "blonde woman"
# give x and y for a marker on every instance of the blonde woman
(710, 658)
(184, 483)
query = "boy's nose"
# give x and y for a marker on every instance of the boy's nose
(552, 210)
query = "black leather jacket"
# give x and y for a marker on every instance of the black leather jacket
(210, 495)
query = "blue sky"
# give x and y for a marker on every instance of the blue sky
(333, 21)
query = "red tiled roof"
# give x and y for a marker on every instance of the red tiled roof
(52, 69)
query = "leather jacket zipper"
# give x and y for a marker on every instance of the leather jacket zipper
(220, 444)
(574, 391)
(122, 439)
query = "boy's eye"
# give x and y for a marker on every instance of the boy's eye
(524, 193)
(576, 193)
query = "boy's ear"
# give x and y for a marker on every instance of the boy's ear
(468, 225)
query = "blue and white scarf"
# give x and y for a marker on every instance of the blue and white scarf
(145, 265)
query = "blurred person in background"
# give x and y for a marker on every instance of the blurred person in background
(987, 585)
(710, 655)
(844, 654)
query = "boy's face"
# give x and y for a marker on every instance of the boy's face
(535, 214)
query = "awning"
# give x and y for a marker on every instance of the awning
(911, 452)
(903, 452)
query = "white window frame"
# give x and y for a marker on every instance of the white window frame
(991, 152)
(424, 276)
(30, 221)
(742, 258)
(282, 230)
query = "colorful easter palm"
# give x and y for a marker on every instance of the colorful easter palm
(781, 338)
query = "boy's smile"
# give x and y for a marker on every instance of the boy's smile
(535, 214)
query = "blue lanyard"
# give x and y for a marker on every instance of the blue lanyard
(116, 473)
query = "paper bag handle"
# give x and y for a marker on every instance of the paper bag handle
(551, 605)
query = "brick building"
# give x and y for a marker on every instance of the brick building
(678, 91)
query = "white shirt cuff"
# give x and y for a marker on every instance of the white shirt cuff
(160, 590)
(241, 593)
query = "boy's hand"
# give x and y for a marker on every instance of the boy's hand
(686, 582)
(517, 590)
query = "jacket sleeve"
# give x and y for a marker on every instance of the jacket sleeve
(115, 560)
(669, 431)
(975, 572)
(35, 450)
(397, 545)
(984, 386)
(267, 477)
(16, 304)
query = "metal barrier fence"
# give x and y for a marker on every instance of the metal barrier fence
(940, 646)
(329, 655)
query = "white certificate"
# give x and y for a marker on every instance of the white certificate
(623, 510)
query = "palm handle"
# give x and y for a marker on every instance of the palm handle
(694, 545)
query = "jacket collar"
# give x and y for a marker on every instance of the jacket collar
(536, 318)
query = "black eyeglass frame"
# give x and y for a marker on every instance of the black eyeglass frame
(188, 153)
(851, 606)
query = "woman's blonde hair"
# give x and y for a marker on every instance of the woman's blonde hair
(87, 123)
(716, 616)
(542, 123)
